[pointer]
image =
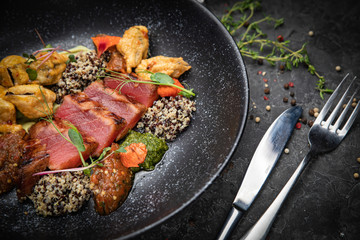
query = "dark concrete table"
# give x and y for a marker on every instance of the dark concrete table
(325, 202)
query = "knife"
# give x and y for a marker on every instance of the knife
(265, 157)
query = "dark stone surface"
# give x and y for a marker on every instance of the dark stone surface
(325, 202)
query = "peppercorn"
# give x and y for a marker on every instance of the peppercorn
(338, 68)
(311, 33)
(246, 24)
(285, 99)
(353, 104)
(257, 119)
(286, 150)
(291, 84)
(298, 125)
(286, 86)
(356, 175)
(292, 94)
(316, 110)
(310, 123)
(267, 90)
(293, 102)
(316, 114)
(280, 38)
(358, 159)
(304, 120)
(311, 112)
(251, 117)
(260, 61)
(268, 108)
(282, 67)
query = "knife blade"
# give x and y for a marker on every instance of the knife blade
(264, 159)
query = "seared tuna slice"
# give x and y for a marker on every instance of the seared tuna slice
(35, 159)
(116, 103)
(141, 92)
(91, 118)
(63, 154)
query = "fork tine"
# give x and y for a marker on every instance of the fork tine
(351, 119)
(338, 106)
(343, 113)
(330, 101)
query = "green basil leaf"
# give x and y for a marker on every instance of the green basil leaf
(32, 73)
(161, 78)
(76, 139)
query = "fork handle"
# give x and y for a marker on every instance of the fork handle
(263, 225)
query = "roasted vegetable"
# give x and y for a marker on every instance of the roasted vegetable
(171, 66)
(134, 46)
(49, 71)
(29, 100)
(13, 68)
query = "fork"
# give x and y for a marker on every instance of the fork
(324, 136)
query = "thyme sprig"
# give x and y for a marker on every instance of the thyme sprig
(253, 41)
(155, 79)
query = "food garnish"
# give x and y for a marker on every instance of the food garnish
(103, 42)
(253, 41)
(161, 79)
(134, 155)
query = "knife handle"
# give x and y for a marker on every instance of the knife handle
(230, 223)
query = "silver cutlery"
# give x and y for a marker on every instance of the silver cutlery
(265, 157)
(328, 130)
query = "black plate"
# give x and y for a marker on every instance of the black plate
(176, 28)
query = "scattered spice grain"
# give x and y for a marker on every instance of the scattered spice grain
(257, 119)
(285, 99)
(311, 33)
(316, 114)
(293, 102)
(356, 175)
(267, 90)
(286, 86)
(338, 68)
(286, 150)
(268, 108)
(310, 123)
(311, 112)
(292, 94)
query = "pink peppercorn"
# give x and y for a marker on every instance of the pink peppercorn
(298, 125)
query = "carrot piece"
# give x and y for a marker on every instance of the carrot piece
(168, 91)
(103, 42)
(134, 155)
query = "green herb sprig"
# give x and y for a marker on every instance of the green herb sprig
(253, 40)
(156, 79)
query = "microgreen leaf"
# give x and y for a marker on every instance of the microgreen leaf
(71, 59)
(161, 78)
(121, 149)
(76, 139)
(32, 73)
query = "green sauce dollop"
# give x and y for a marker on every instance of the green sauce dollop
(156, 148)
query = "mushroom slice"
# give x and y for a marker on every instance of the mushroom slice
(171, 66)
(29, 100)
(134, 46)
